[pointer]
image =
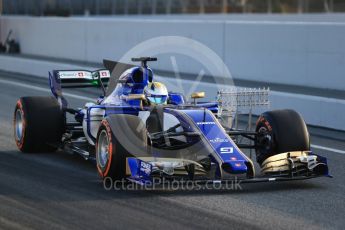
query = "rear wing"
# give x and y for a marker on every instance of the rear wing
(59, 79)
(81, 78)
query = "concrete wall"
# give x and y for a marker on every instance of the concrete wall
(316, 110)
(297, 53)
(307, 54)
(290, 52)
(36, 68)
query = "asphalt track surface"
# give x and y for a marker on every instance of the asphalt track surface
(62, 191)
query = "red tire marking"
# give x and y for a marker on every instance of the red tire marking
(105, 172)
(19, 143)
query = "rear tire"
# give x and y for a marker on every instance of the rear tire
(280, 131)
(117, 136)
(38, 124)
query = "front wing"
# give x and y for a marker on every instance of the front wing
(298, 165)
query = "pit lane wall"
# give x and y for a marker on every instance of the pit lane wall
(285, 52)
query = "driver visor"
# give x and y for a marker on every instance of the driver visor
(159, 99)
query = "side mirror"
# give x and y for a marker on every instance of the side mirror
(136, 97)
(140, 97)
(197, 95)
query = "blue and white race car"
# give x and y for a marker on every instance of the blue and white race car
(138, 131)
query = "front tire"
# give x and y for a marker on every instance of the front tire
(119, 136)
(280, 131)
(38, 124)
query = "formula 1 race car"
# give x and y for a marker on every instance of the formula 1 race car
(138, 131)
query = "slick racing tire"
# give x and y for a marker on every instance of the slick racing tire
(38, 124)
(119, 136)
(280, 131)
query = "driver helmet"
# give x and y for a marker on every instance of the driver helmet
(156, 93)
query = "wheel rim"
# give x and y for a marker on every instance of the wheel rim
(265, 139)
(103, 149)
(19, 125)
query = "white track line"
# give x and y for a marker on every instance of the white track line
(45, 90)
(90, 99)
(328, 149)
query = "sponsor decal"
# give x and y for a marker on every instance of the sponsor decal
(206, 123)
(145, 167)
(219, 140)
(104, 73)
(74, 74)
(226, 150)
(66, 74)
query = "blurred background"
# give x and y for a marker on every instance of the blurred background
(296, 47)
(120, 7)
